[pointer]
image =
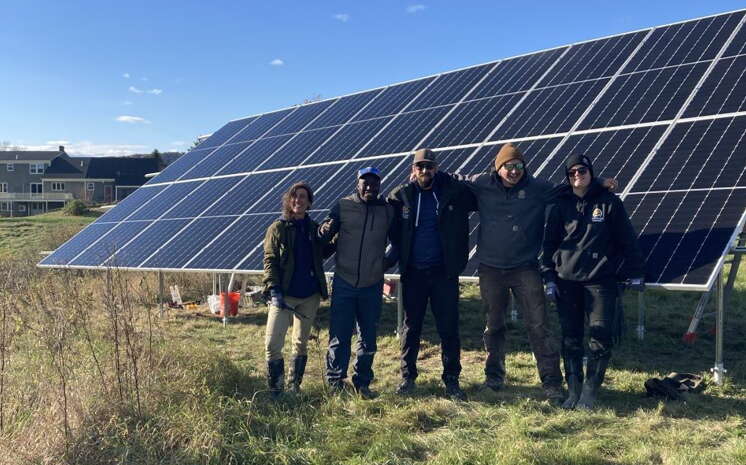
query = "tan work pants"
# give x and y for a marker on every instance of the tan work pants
(279, 320)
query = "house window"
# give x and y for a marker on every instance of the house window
(89, 186)
(58, 186)
(37, 205)
(5, 206)
(11, 167)
(36, 188)
(3, 187)
(36, 168)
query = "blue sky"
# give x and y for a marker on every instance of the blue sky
(112, 78)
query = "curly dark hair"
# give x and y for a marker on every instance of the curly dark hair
(287, 197)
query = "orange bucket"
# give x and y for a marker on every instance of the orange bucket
(229, 303)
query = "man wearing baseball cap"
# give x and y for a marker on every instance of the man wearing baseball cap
(363, 223)
(433, 213)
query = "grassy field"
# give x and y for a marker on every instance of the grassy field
(31, 234)
(89, 374)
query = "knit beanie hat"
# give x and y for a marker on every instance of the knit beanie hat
(577, 159)
(507, 152)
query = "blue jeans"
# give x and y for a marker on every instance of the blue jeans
(350, 306)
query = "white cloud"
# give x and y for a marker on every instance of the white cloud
(415, 8)
(126, 75)
(155, 91)
(135, 90)
(127, 102)
(131, 119)
(58, 142)
(277, 62)
(89, 148)
(343, 17)
(178, 143)
(144, 79)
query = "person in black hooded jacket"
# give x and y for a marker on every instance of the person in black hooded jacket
(587, 239)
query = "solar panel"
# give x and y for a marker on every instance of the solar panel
(663, 110)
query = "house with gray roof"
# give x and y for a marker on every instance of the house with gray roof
(33, 182)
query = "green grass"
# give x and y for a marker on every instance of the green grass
(30, 234)
(204, 400)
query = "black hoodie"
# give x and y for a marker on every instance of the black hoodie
(588, 239)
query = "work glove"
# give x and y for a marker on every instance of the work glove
(276, 299)
(551, 291)
(636, 284)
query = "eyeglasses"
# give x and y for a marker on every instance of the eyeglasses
(422, 166)
(581, 171)
(513, 166)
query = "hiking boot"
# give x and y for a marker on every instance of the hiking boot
(337, 387)
(453, 390)
(406, 387)
(494, 384)
(554, 394)
(276, 377)
(574, 376)
(299, 368)
(595, 371)
(365, 392)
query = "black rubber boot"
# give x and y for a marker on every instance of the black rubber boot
(276, 377)
(299, 368)
(594, 376)
(574, 377)
(453, 390)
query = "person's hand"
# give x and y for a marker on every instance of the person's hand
(412, 177)
(324, 228)
(276, 298)
(551, 291)
(636, 284)
(611, 184)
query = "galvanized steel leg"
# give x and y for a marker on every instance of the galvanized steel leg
(513, 307)
(640, 315)
(718, 371)
(399, 311)
(160, 294)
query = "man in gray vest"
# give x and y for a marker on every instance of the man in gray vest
(363, 223)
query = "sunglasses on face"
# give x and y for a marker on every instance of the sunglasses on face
(513, 166)
(574, 171)
(425, 166)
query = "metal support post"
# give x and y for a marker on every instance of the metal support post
(399, 311)
(641, 315)
(513, 307)
(160, 294)
(718, 371)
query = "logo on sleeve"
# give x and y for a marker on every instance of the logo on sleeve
(598, 215)
(405, 212)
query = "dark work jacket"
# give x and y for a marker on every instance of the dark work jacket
(511, 220)
(362, 231)
(587, 239)
(455, 201)
(279, 256)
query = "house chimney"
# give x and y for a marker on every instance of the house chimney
(62, 148)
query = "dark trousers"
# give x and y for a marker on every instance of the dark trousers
(418, 288)
(353, 306)
(598, 301)
(527, 287)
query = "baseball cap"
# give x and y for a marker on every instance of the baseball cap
(368, 170)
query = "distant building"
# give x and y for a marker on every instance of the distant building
(35, 182)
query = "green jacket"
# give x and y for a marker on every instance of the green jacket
(455, 202)
(279, 259)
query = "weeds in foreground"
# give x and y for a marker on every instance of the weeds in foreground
(89, 375)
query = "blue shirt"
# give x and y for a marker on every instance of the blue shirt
(303, 283)
(427, 250)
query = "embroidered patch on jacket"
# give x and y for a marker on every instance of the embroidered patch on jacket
(521, 194)
(405, 213)
(598, 215)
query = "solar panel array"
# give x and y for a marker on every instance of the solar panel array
(662, 110)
